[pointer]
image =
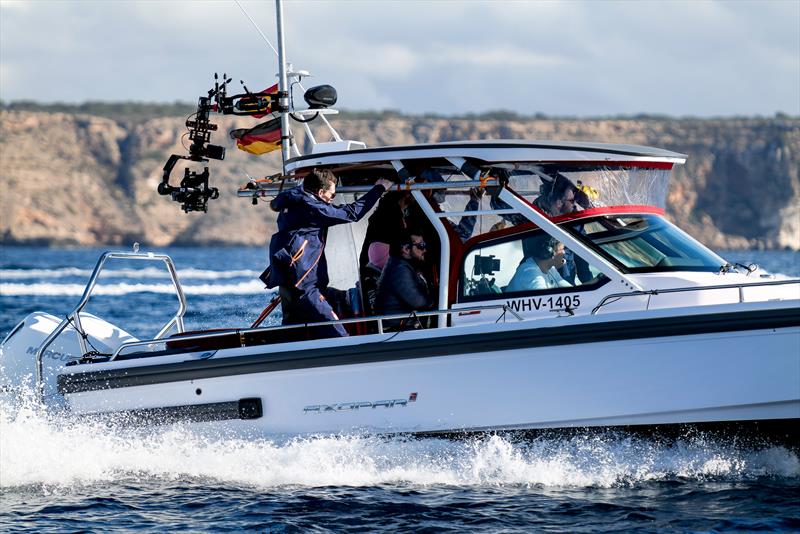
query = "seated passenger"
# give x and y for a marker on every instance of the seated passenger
(401, 287)
(543, 255)
(378, 253)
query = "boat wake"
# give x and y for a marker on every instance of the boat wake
(43, 450)
(125, 288)
(148, 272)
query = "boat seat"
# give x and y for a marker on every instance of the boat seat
(230, 338)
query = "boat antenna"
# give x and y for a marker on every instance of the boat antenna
(283, 89)
(286, 148)
(246, 14)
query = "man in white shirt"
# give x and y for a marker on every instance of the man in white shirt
(538, 270)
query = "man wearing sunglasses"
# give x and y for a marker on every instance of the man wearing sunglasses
(402, 288)
(297, 250)
(561, 197)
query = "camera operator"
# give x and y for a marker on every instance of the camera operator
(297, 250)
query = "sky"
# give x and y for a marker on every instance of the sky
(574, 58)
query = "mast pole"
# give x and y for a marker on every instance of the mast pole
(286, 134)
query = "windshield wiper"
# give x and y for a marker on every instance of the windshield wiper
(728, 267)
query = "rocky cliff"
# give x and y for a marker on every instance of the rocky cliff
(85, 180)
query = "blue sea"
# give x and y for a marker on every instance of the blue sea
(72, 476)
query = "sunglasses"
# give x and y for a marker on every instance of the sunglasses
(421, 245)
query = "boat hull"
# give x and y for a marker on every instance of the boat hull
(511, 379)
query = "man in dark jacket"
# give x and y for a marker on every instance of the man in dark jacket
(297, 250)
(401, 287)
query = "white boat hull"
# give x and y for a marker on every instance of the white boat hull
(734, 375)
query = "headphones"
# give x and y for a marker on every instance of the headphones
(543, 248)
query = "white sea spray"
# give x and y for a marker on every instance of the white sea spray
(54, 450)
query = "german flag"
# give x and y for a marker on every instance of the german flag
(259, 139)
(272, 93)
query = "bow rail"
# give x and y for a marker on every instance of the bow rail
(74, 315)
(654, 292)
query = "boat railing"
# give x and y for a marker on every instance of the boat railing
(614, 297)
(379, 319)
(257, 189)
(73, 317)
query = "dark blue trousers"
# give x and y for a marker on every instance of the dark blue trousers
(310, 306)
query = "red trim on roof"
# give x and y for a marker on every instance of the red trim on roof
(609, 210)
(666, 165)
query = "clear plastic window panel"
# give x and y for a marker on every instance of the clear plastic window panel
(606, 186)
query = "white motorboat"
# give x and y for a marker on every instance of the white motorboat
(662, 331)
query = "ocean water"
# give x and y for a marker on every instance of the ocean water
(68, 475)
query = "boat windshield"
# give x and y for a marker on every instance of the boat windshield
(644, 243)
(603, 185)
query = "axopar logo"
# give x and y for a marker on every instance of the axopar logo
(359, 405)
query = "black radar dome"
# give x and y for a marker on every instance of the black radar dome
(321, 96)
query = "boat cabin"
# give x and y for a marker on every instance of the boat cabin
(485, 209)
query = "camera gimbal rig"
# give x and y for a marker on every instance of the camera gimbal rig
(194, 192)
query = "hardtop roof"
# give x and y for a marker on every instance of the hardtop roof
(495, 150)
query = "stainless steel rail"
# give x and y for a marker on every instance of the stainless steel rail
(379, 319)
(272, 188)
(74, 316)
(653, 292)
(444, 214)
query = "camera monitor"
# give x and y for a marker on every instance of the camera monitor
(485, 265)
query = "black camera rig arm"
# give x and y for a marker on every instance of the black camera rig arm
(194, 192)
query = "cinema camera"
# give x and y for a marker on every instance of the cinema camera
(194, 192)
(486, 265)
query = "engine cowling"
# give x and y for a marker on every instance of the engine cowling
(18, 351)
